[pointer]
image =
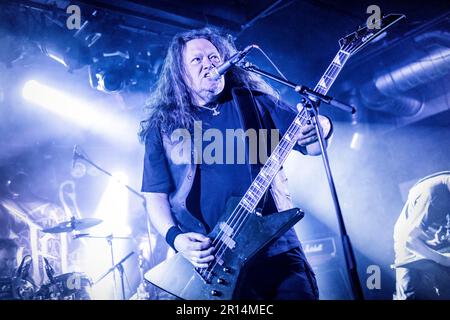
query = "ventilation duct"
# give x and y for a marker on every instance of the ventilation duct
(386, 92)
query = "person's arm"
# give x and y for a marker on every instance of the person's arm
(417, 245)
(193, 246)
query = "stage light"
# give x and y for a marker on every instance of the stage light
(111, 81)
(83, 113)
(113, 206)
(65, 49)
(119, 71)
(356, 142)
(60, 103)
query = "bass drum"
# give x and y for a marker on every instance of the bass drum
(67, 286)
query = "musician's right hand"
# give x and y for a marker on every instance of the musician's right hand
(195, 247)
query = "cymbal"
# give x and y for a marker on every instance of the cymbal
(73, 224)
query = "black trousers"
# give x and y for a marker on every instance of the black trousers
(286, 276)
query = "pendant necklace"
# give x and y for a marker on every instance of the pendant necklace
(214, 110)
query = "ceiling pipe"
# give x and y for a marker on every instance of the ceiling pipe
(386, 92)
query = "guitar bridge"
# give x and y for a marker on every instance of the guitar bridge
(204, 274)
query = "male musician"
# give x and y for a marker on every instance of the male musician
(422, 241)
(8, 257)
(186, 199)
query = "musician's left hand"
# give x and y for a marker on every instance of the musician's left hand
(308, 134)
(307, 137)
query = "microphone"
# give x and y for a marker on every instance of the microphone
(216, 73)
(24, 267)
(49, 270)
(21, 281)
(74, 155)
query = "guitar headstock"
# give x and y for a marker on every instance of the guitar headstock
(355, 41)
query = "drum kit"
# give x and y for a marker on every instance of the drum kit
(67, 286)
(74, 285)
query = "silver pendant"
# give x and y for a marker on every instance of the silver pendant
(215, 112)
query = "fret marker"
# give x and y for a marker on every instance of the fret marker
(337, 60)
(322, 83)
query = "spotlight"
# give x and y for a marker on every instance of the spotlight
(73, 50)
(79, 111)
(72, 57)
(108, 81)
(357, 141)
(111, 72)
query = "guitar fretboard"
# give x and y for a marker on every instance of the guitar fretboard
(262, 181)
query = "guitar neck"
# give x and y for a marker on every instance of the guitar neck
(262, 181)
(333, 70)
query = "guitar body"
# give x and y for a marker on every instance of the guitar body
(178, 276)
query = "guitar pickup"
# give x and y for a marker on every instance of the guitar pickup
(226, 237)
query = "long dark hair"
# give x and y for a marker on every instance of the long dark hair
(169, 105)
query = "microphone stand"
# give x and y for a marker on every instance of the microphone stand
(313, 100)
(119, 267)
(78, 155)
(109, 239)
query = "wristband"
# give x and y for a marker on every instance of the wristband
(171, 235)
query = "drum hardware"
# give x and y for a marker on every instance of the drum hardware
(49, 270)
(109, 238)
(79, 154)
(142, 293)
(119, 267)
(20, 286)
(73, 224)
(67, 286)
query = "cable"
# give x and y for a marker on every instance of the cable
(271, 62)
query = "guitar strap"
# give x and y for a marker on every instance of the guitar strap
(251, 118)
